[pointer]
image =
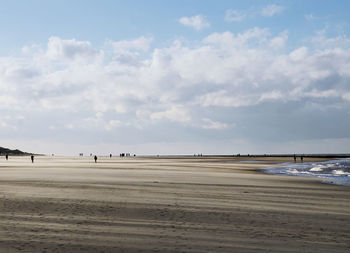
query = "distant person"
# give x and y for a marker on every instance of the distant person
(110, 155)
(32, 158)
(295, 158)
(302, 158)
(7, 156)
(95, 158)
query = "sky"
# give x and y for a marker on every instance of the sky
(175, 77)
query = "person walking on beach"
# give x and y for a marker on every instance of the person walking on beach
(95, 158)
(7, 156)
(295, 158)
(32, 158)
(302, 158)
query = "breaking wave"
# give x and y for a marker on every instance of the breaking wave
(333, 171)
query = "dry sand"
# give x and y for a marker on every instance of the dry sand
(62, 204)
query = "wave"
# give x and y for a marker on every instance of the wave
(333, 171)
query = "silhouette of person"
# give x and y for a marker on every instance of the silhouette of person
(295, 158)
(95, 158)
(32, 158)
(302, 158)
(110, 155)
(7, 156)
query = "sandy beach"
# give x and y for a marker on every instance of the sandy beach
(198, 204)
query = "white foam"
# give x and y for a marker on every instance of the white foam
(316, 169)
(335, 172)
(340, 172)
(293, 171)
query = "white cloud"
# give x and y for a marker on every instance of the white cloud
(187, 86)
(7, 101)
(113, 124)
(279, 41)
(11, 121)
(271, 95)
(210, 124)
(299, 54)
(272, 10)
(226, 69)
(346, 96)
(320, 40)
(322, 94)
(58, 48)
(197, 22)
(129, 51)
(69, 126)
(140, 44)
(250, 38)
(174, 113)
(234, 16)
(222, 98)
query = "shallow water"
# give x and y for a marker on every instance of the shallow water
(333, 171)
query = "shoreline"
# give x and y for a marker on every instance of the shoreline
(326, 178)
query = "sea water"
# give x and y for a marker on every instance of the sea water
(333, 171)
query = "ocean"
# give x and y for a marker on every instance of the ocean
(332, 172)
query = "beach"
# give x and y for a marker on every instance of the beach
(167, 204)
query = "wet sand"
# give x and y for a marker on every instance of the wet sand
(63, 204)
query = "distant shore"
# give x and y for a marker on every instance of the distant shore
(7, 151)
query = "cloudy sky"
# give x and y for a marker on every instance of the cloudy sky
(175, 77)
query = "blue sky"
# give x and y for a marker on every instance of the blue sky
(26, 22)
(175, 76)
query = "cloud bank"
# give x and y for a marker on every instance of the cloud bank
(228, 86)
